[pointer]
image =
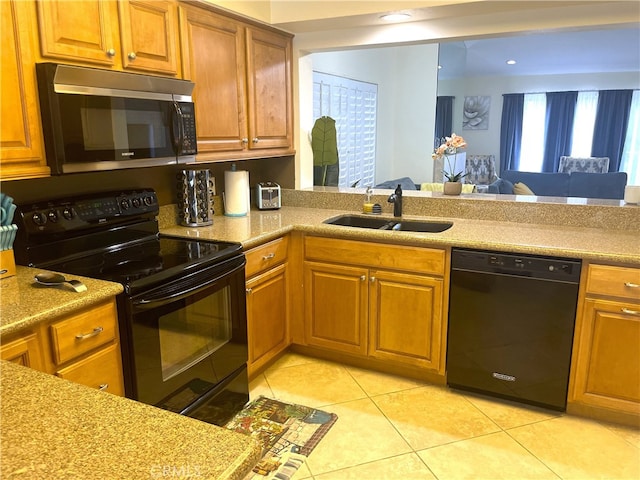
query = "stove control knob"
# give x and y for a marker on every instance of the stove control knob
(39, 218)
(124, 203)
(148, 201)
(67, 213)
(136, 202)
(53, 216)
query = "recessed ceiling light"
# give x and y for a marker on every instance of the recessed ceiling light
(395, 17)
(511, 62)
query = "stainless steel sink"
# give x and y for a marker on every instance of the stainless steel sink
(375, 223)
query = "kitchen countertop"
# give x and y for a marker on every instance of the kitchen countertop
(595, 244)
(52, 428)
(24, 303)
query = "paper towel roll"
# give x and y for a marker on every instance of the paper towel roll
(236, 198)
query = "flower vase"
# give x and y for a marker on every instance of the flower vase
(452, 188)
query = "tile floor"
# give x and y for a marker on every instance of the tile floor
(394, 428)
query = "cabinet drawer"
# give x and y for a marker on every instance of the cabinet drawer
(101, 370)
(83, 332)
(614, 281)
(413, 259)
(266, 256)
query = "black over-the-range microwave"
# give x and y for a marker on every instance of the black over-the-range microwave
(96, 119)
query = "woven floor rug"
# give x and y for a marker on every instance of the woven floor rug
(288, 434)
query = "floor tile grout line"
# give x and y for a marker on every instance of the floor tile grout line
(530, 452)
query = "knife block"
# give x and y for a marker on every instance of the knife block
(7, 264)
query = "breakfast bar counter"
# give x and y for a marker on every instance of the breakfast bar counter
(52, 428)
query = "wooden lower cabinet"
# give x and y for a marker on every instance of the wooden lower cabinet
(605, 374)
(405, 318)
(82, 347)
(24, 350)
(390, 314)
(336, 306)
(267, 303)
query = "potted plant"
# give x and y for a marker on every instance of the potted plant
(449, 147)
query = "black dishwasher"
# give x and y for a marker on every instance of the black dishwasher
(511, 320)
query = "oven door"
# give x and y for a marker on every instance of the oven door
(188, 338)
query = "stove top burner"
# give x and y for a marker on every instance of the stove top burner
(148, 263)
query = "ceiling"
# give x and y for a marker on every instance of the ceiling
(588, 51)
(614, 48)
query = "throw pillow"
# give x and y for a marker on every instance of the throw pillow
(520, 188)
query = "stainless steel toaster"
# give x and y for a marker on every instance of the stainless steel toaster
(268, 196)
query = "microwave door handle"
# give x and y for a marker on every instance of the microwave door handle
(179, 141)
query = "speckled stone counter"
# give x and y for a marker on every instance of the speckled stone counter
(55, 429)
(24, 303)
(597, 244)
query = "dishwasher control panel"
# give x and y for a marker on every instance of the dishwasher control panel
(552, 268)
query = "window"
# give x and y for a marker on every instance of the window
(533, 124)
(353, 105)
(583, 121)
(630, 161)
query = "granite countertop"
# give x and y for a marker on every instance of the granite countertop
(52, 428)
(24, 302)
(596, 244)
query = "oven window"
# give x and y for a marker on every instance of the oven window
(194, 332)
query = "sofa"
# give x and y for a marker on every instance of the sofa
(575, 184)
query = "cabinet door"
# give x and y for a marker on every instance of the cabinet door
(336, 302)
(78, 30)
(148, 33)
(607, 359)
(269, 90)
(267, 316)
(23, 351)
(101, 370)
(21, 150)
(405, 318)
(213, 58)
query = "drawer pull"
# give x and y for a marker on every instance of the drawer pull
(630, 312)
(632, 285)
(249, 291)
(103, 387)
(96, 331)
(269, 256)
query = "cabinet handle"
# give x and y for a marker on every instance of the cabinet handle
(372, 279)
(363, 277)
(630, 312)
(269, 256)
(96, 331)
(111, 52)
(631, 285)
(255, 139)
(249, 291)
(245, 141)
(132, 56)
(103, 386)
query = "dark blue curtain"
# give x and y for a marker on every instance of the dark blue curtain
(558, 129)
(610, 129)
(444, 118)
(511, 131)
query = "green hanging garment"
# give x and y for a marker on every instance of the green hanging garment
(324, 144)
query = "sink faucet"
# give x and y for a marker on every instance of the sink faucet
(396, 199)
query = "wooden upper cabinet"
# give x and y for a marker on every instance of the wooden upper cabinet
(128, 34)
(243, 92)
(269, 90)
(149, 34)
(213, 58)
(21, 149)
(82, 31)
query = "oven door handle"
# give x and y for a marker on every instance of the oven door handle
(165, 296)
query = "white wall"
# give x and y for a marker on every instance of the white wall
(487, 142)
(406, 78)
